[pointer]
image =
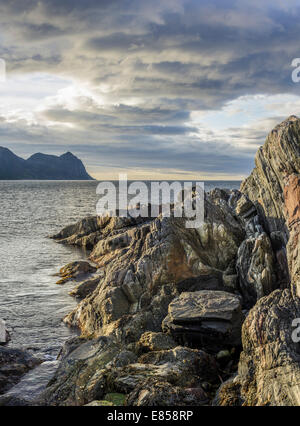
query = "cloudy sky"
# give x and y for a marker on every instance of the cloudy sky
(154, 88)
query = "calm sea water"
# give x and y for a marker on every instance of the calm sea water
(31, 303)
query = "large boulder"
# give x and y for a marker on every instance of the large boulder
(209, 319)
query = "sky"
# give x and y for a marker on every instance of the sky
(157, 89)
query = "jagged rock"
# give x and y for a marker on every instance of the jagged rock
(80, 377)
(180, 366)
(229, 394)
(241, 204)
(155, 267)
(85, 288)
(292, 209)
(140, 260)
(88, 231)
(13, 364)
(94, 368)
(256, 268)
(278, 158)
(211, 319)
(269, 367)
(75, 271)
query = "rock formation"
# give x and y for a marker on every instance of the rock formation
(269, 367)
(162, 325)
(207, 318)
(41, 166)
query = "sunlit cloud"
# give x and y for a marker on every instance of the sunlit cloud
(179, 87)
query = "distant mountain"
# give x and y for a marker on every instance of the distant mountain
(41, 166)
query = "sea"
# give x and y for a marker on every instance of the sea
(31, 302)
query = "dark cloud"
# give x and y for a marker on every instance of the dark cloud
(152, 63)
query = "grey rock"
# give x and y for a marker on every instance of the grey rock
(85, 288)
(76, 271)
(276, 159)
(269, 366)
(256, 268)
(211, 319)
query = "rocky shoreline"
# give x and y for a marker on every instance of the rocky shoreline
(177, 316)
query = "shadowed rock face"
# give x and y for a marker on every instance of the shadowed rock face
(278, 158)
(211, 319)
(13, 364)
(256, 268)
(269, 367)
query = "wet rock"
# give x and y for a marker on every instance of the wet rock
(12, 401)
(211, 319)
(80, 378)
(75, 271)
(13, 364)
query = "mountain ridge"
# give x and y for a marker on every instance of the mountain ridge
(41, 166)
